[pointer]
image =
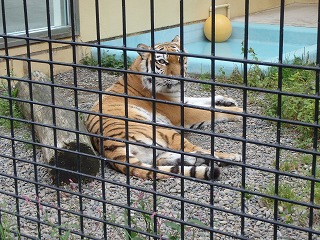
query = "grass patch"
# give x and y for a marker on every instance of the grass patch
(288, 211)
(8, 227)
(300, 109)
(9, 108)
(317, 187)
(298, 191)
(301, 163)
(303, 166)
(296, 81)
(205, 77)
(292, 107)
(284, 191)
(107, 61)
(295, 190)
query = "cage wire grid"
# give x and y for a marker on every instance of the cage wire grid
(142, 213)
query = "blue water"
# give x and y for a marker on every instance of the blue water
(263, 39)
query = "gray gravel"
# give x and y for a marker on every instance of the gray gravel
(43, 202)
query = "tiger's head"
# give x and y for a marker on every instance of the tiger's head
(165, 64)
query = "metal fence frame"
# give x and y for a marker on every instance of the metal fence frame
(312, 233)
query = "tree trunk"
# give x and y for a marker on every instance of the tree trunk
(69, 145)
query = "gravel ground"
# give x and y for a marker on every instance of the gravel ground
(40, 201)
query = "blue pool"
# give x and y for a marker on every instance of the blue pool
(263, 39)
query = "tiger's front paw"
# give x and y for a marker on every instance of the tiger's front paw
(227, 156)
(236, 118)
(225, 101)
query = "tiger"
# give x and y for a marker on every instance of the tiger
(143, 145)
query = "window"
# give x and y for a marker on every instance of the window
(13, 19)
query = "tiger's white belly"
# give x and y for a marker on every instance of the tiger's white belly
(145, 154)
(148, 115)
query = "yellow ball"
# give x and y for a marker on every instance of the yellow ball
(223, 28)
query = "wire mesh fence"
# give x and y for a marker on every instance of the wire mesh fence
(57, 184)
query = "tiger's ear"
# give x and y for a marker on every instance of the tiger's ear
(176, 39)
(144, 47)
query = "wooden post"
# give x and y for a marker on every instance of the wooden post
(65, 140)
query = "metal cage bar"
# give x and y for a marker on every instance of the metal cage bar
(100, 215)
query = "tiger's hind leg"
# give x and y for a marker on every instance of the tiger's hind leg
(144, 170)
(197, 167)
(140, 159)
(199, 158)
(171, 158)
(167, 158)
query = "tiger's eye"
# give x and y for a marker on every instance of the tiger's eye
(162, 61)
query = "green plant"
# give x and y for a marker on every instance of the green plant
(317, 184)
(176, 228)
(250, 52)
(8, 229)
(89, 60)
(293, 80)
(292, 107)
(145, 222)
(107, 61)
(2, 232)
(205, 77)
(317, 193)
(294, 191)
(297, 81)
(63, 236)
(290, 165)
(286, 191)
(4, 228)
(7, 106)
(248, 196)
(142, 203)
